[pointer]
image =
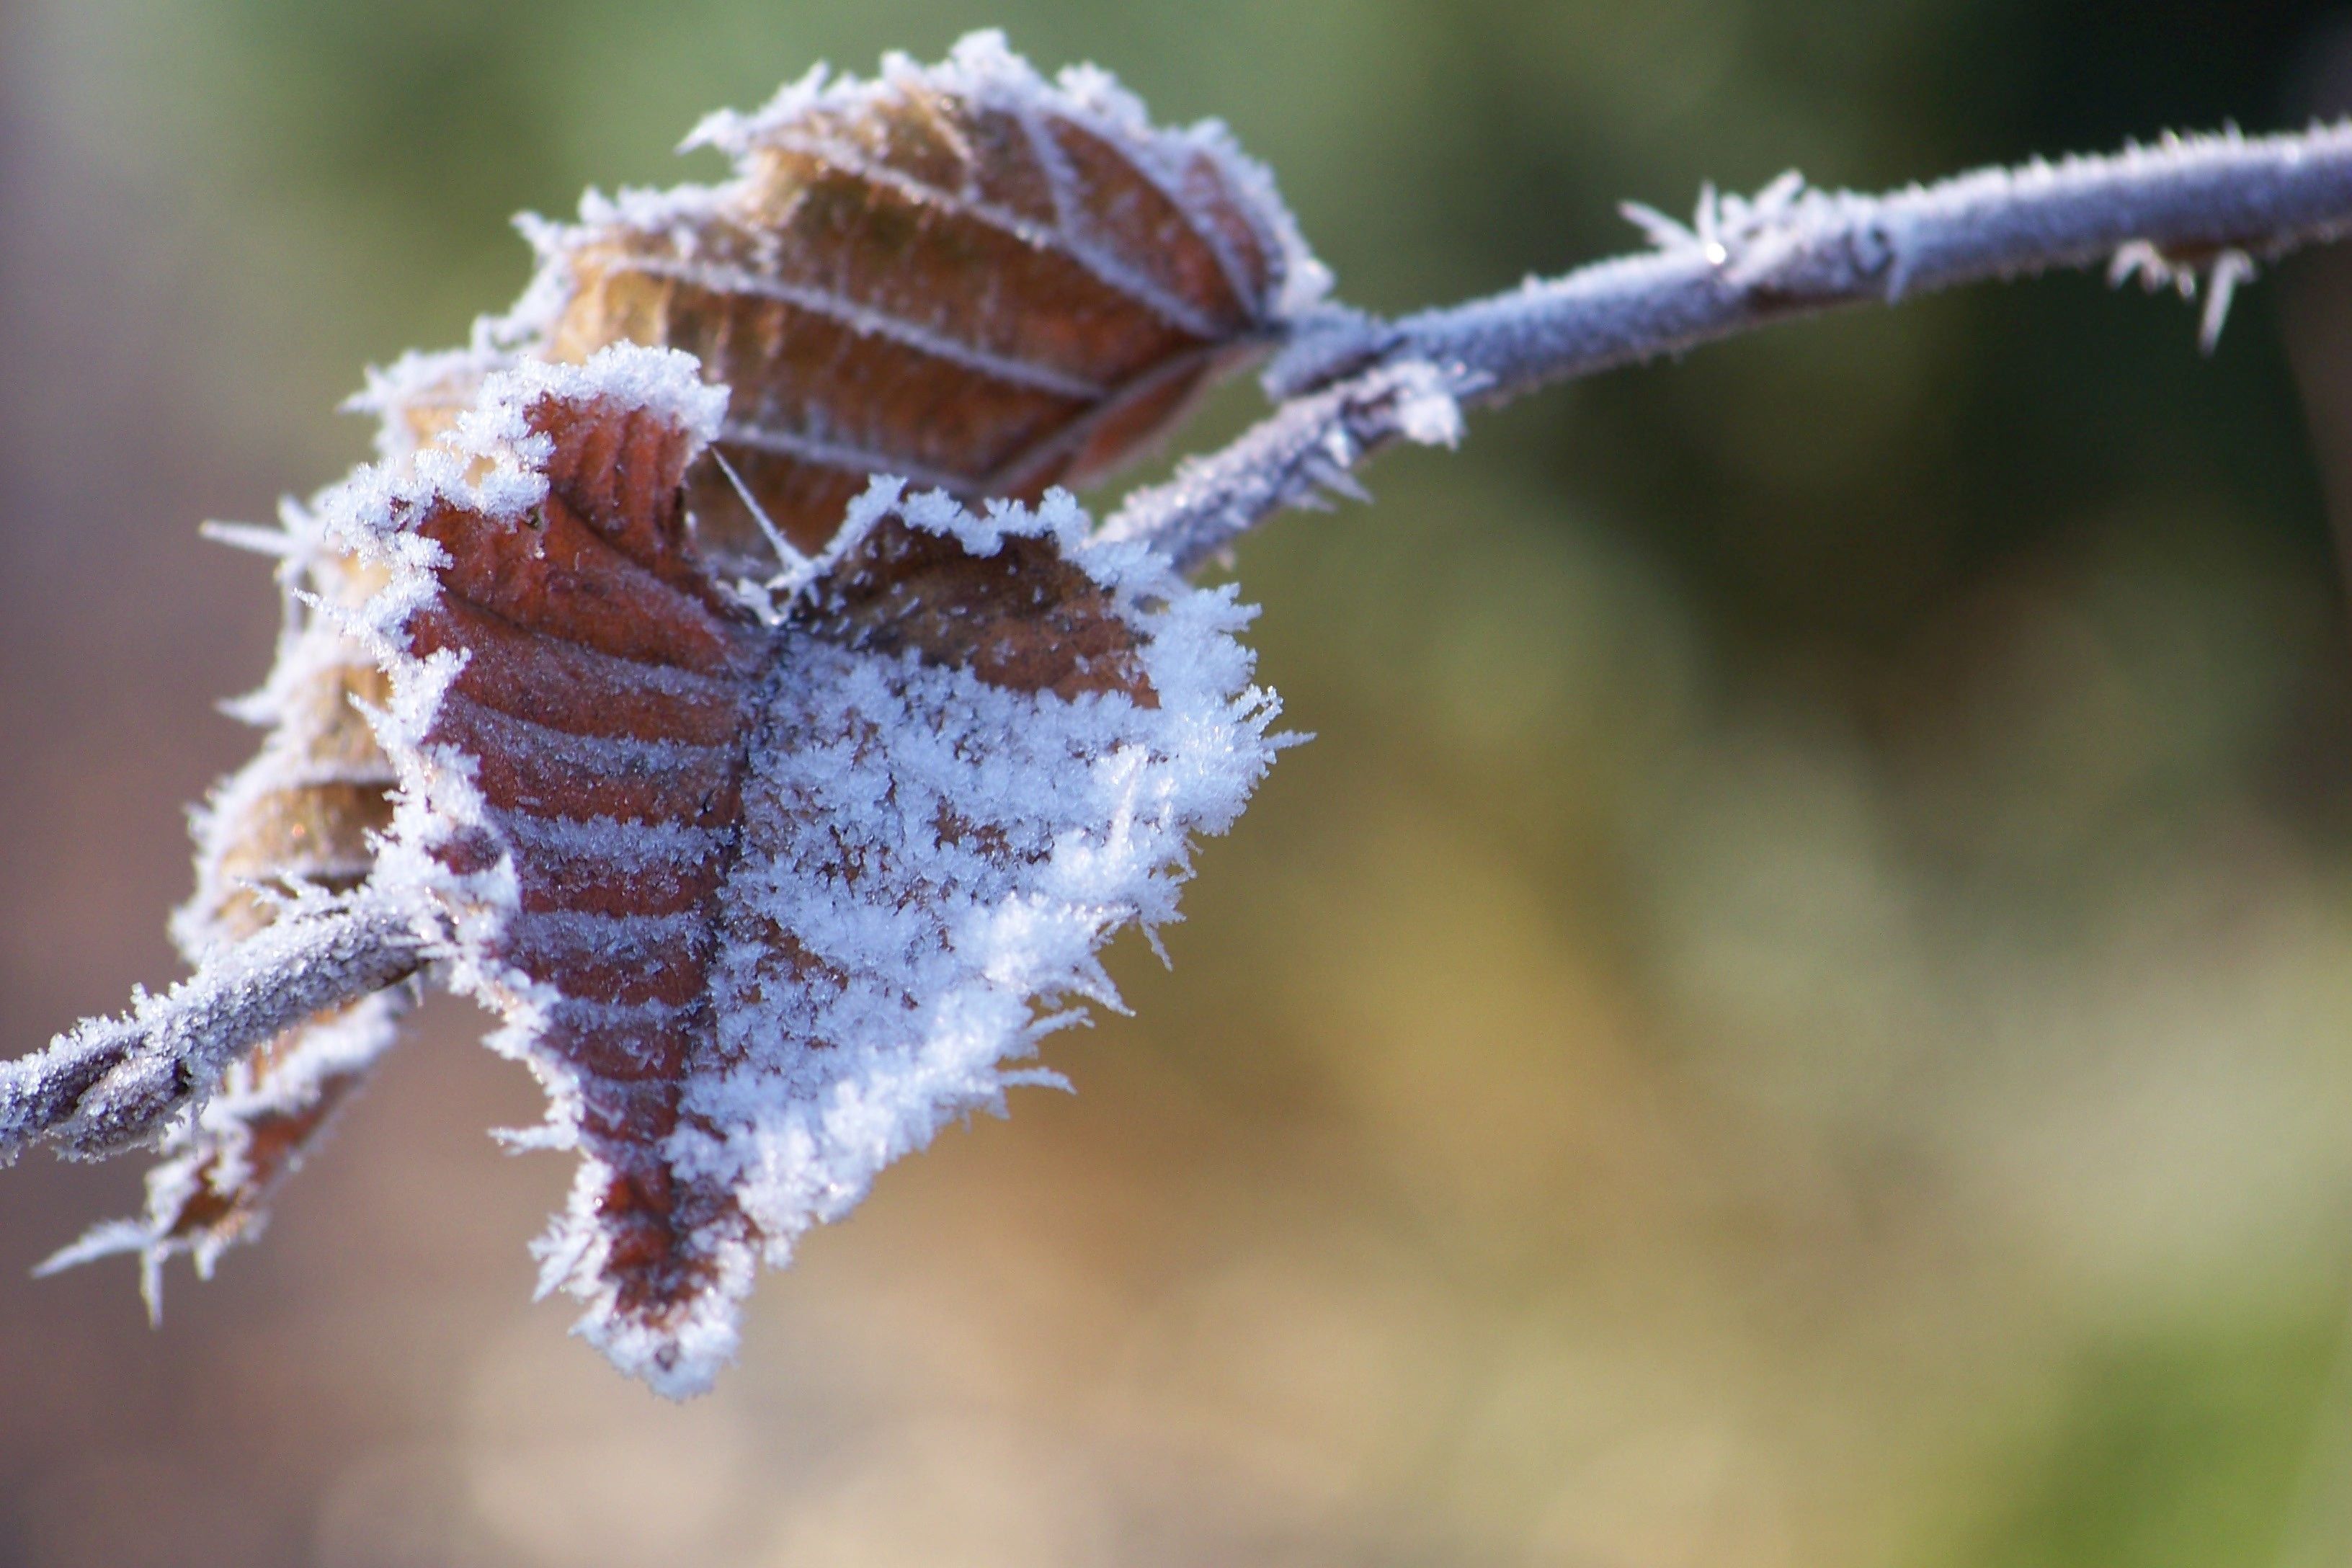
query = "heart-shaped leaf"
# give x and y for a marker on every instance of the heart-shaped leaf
(766, 898)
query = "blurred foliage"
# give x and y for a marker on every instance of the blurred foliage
(1795, 1010)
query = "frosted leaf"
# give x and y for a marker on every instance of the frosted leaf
(764, 905)
(298, 817)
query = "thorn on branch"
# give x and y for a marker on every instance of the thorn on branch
(2231, 268)
(2219, 272)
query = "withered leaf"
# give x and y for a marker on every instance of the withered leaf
(766, 897)
(962, 274)
(302, 816)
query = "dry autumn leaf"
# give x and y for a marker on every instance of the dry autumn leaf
(959, 274)
(765, 899)
(767, 864)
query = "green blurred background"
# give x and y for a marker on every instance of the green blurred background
(1795, 1012)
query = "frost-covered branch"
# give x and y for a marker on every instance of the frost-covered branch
(771, 878)
(111, 1083)
(2187, 206)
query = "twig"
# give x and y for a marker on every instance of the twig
(112, 1083)
(2188, 205)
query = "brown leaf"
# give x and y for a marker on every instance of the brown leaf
(962, 274)
(302, 813)
(764, 898)
(1022, 618)
(599, 704)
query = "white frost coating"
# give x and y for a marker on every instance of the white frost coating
(665, 383)
(1299, 456)
(112, 1084)
(419, 380)
(489, 464)
(1428, 414)
(1791, 248)
(643, 378)
(312, 654)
